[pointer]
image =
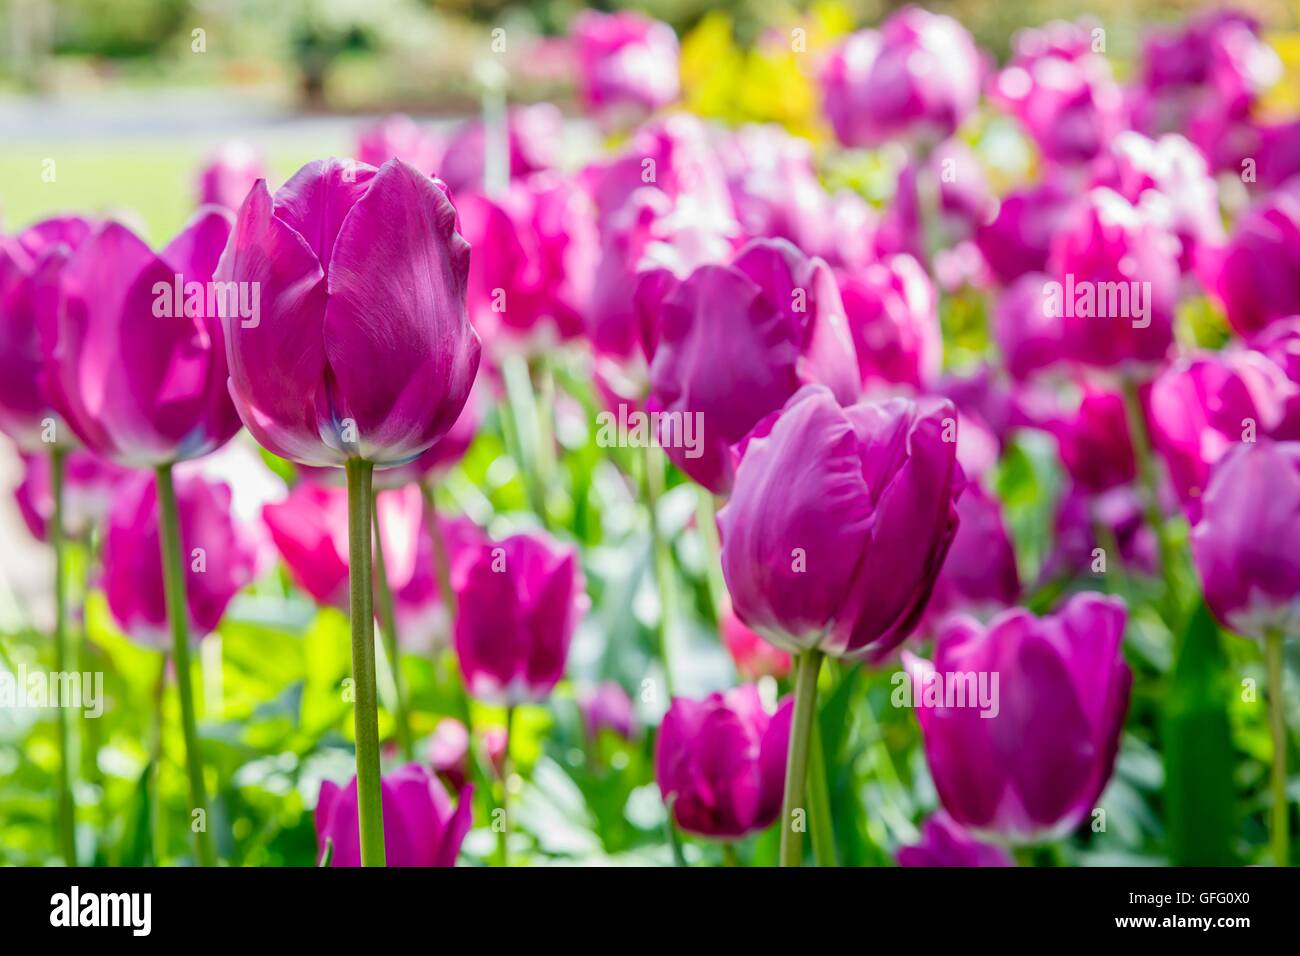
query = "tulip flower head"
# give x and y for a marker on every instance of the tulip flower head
(627, 63)
(944, 842)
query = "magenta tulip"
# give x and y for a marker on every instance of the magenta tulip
(1080, 516)
(1244, 543)
(228, 175)
(533, 136)
(918, 75)
(421, 827)
(1257, 275)
(518, 606)
(1030, 337)
(220, 556)
(449, 752)
(839, 522)
(937, 204)
(720, 762)
(89, 489)
(606, 706)
(735, 342)
(893, 316)
(1094, 442)
(1029, 762)
(944, 842)
(399, 137)
(627, 63)
(1018, 239)
(1280, 344)
(979, 575)
(135, 360)
(753, 656)
(358, 269)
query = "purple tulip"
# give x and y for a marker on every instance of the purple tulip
(1030, 337)
(627, 63)
(1257, 275)
(735, 342)
(979, 575)
(1031, 766)
(1279, 154)
(533, 135)
(1244, 544)
(893, 315)
(220, 556)
(1094, 442)
(918, 75)
(519, 604)
(359, 270)
(228, 174)
(1280, 343)
(1018, 239)
(840, 520)
(449, 450)
(1079, 516)
(1061, 91)
(421, 828)
(449, 752)
(89, 489)
(1203, 405)
(606, 706)
(30, 264)
(965, 201)
(720, 762)
(1123, 260)
(399, 137)
(135, 360)
(944, 842)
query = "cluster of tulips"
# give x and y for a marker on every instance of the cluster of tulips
(709, 275)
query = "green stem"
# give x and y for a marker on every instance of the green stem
(67, 823)
(521, 405)
(178, 615)
(706, 518)
(663, 561)
(729, 854)
(820, 823)
(158, 819)
(1146, 469)
(503, 835)
(365, 714)
(446, 593)
(1277, 720)
(388, 617)
(796, 768)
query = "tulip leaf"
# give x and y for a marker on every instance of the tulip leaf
(1200, 760)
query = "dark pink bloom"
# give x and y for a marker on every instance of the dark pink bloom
(135, 360)
(421, 827)
(1017, 240)
(89, 488)
(229, 173)
(918, 75)
(753, 656)
(944, 842)
(893, 315)
(449, 752)
(1030, 766)
(399, 137)
(735, 342)
(626, 62)
(363, 347)
(518, 605)
(533, 133)
(220, 556)
(937, 204)
(1094, 442)
(1079, 516)
(979, 575)
(1244, 546)
(840, 520)
(720, 762)
(606, 706)
(1030, 335)
(1280, 343)
(1279, 154)
(1257, 275)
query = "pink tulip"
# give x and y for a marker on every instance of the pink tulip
(626, 62)
(399, 137)
(1030, 336)
(606, 706)
(979, 575)
(228, 174)
(1094, 442)
(89, 489)
(893, 315)
(1257, 275)
(1017, 240)
(533, 135)
(944, 842)
(753, 656)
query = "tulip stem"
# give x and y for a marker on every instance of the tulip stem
(503, 834)
(819, 800)
(521, 405)
(706, 518)
(365, 713)
(1277, 719)
(796, 768)
(663, 561)
(178, 616)
(729, 855)
(1145, 461)
(67, 822)
(441, 561)
(388, 617)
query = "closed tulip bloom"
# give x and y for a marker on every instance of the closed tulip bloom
(753, 656)
(626, 62)
(944, 842)
(1030, 337)
(1257, 275)
(720, 762)
(220, 556)
(399, 137)
(1125, 259)
(979, 575)
(893, 314)
(840, 520)
(1244, 545)
(363, 348)
(607, 706)
(229, 173)
(518, 606)
(736, 341)
(421, 827)
(1094, 442)
(1030, 767)
(137, 366)
(1018, 239)
(1279, 153)
(1280, 344)
(30, 263)
(918, 75)
(964, 202)
(89, 488)
(1204, 405)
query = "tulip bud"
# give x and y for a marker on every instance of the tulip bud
(840, 520)
(518, 606)
(362, 348)
(421, 827)
(1244, 544)
(720, 762)
(449, 752)
(945, 843)
(1094, 442)
(1029, 762)
(893, 316)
